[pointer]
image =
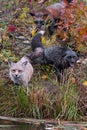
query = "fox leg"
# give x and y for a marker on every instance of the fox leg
(59, 74)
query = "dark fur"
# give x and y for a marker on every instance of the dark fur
(61, 58)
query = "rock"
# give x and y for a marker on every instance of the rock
(20, 37)
(26, 42)
(84, 61)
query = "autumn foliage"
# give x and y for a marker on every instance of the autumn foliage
(47, 99)
(11, 28)
(72, 27)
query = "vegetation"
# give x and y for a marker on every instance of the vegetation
(46, 98)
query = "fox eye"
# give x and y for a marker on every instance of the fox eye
(69, 57)
(36, 22)
(42, 22)
(13, 70)
(74, 56)
(19, 71)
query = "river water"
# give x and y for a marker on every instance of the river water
(21, 127)
(15, 125)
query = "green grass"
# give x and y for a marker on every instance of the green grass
(46, 98)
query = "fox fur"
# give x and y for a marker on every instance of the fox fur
(21, 71)
(59, 57)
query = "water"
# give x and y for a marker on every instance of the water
(15, 125)
(33, 127)
(11, 125)
(20, 127)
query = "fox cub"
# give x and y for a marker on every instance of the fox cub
(21, 72)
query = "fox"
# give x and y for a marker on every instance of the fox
(52, 12)
(21, 72)
(59, 57)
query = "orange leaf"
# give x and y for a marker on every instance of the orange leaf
(73, 80)
(85, 83)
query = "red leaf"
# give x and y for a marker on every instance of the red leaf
(20, 1)
(84, 37)
(11, 28)
(28, 1)
(82, 5)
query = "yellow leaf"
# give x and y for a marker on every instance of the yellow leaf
(25, 10)
(43, 39)
(33, 32)
(85, 83)
(22, 16)
(44, 77)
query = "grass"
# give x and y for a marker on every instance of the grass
(69, 102)
(46, 98)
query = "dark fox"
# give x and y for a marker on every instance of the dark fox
(59, 57)
(52, 11)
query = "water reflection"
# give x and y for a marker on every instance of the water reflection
(33, 127)
(21, 127)
(15, 125)
(10, 125)
(71, 128)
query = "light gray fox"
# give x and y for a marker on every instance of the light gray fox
(21, 71)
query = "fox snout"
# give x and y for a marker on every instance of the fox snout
(39, 23)
(16, 75)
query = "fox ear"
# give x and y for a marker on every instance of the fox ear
(32, 14)
(10, 63)
(45, 15)
(24, 63)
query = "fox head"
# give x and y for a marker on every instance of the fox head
(39, 18)
(16, 69)
(71, 58)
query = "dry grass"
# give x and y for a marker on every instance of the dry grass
(46, 98)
